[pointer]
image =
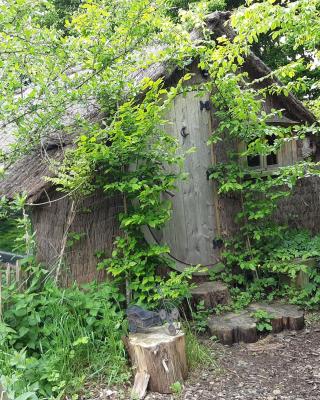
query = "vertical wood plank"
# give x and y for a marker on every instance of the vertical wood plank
(192, 227)
(17, 270)
(8, 278)
(3, 394)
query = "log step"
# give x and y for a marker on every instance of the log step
(284, 316)
(233, 328)
(241, 327)
(211, 293)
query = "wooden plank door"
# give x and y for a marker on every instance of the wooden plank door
(191, 230)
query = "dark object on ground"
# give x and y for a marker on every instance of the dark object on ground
(141, 320)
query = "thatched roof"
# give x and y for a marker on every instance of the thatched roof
(28, 174)
(5, 141)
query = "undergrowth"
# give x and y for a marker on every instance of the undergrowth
(273, 276)
(9, 232)
(54, 340)
(197, 353)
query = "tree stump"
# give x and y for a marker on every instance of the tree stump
(234, 328)
(160, 355)
(242, 327)
(283, 316)
(211, 293)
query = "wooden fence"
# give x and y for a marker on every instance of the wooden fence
(10, 274)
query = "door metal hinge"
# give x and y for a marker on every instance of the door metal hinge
(205, 105)
(217, 243)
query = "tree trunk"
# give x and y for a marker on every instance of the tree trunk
(160, 355)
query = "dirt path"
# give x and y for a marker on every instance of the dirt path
(285, 366)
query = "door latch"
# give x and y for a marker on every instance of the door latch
(184, 132)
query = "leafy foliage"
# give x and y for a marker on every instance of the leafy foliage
(200, 317)
(9, 232)
(287, 256)
(53, 340)
(263, 319)
(52, 70)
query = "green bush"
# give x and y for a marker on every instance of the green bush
(9, 232)
(54, 340)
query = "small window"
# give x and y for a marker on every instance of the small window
(254, 161)
(272, 158)
(261, 161)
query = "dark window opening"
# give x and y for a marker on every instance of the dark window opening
(254, 161)
(272, 158)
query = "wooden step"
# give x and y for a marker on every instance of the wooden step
(284, 316)
(241, 327)
(233, 328)
(211, 293)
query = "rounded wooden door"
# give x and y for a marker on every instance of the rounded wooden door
(191, 231)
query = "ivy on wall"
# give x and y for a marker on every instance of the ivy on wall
(126, 150)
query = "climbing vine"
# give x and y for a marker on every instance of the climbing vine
(125, 150)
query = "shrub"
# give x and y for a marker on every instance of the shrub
(53, 340)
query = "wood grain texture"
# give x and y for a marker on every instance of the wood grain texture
(242, 327)
(160, 355)
(139, 390)
(192, 227)
(211, 294)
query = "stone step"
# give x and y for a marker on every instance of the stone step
(241, 327)
(211, 293)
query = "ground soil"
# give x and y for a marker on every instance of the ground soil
(284, 366)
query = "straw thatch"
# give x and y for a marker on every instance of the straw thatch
(51, 210)
(27, 175)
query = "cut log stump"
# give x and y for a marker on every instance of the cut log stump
(283, 316)
(241, 327)
(233, 328)
(211, 293)
(159, 355)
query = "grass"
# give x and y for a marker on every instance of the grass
(54, 341)
(197, 353)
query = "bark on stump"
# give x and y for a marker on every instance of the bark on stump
(242, 327)
(211, 293)
(160, 355)
(234, 328)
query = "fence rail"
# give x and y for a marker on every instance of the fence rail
(11, 258)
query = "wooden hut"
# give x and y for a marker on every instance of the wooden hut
(199, 216)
